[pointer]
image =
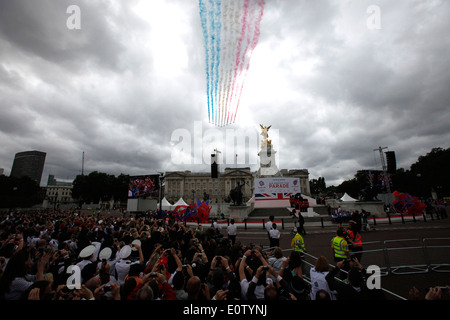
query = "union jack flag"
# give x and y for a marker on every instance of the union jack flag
(273, 196)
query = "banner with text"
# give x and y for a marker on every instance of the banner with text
(276, 188)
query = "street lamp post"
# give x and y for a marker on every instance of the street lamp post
(161, 180)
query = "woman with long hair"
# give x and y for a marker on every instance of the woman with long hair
(16, 278)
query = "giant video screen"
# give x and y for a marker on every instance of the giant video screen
(143, 186)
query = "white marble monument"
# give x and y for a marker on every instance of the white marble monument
(267, 163)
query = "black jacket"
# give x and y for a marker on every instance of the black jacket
(345, 291)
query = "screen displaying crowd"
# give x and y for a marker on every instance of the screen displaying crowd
(143, 186)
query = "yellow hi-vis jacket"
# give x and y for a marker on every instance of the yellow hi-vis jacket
(297, 243)
(340, 247)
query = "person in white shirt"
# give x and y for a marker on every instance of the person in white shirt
(216, 225)
(232, 232)
(86, 255)
(318, 281)
(269, 225)
(16, 278)
(124, 264)
(274, 236)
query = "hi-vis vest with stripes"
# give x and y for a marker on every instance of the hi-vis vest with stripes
(340, 247)
(355, 237)
(297, 243)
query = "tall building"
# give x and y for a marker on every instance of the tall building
(29, 163)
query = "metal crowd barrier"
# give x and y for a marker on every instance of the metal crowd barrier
(306, 267)
(375, 255)
(410, 260)
(437, 256)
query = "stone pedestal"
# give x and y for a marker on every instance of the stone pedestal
(238, 213)
(310, 213)
(267, 163)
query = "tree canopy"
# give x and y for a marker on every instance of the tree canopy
(21, 192)
(100, 186)
(430, 172)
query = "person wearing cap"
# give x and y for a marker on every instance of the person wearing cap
(86, 255)
(124, 263)
(105, 255)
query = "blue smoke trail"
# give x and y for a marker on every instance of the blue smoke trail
(203, 18)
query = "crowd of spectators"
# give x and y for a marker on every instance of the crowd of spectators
(148, 258)
(339, 216)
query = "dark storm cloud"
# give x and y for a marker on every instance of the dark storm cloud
(38, 28)
(119, 87)
(370, 87)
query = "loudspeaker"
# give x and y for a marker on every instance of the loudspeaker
(214, 169)
(391, 162)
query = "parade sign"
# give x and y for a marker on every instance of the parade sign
(276, 188)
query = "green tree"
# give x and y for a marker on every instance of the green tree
(429, 172)
(353, 186)
(99, 186)
(318, 186)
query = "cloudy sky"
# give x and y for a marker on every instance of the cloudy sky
(129, 87)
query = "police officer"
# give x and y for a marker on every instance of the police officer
(297, 243)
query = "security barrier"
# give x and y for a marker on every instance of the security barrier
(437, 256)
(309, 261)
(374, 253)
(409, 254)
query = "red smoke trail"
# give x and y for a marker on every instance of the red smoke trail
(254, 43)
(238, 54)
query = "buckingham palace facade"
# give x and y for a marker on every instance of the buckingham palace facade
(189, 185)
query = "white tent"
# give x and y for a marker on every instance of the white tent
(165, 204)
(347, 198)
(180, 202)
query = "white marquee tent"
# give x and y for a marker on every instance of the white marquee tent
(165, 205)
(347, 198)
(180, 202)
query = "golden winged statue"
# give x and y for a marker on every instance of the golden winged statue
(265, 135)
